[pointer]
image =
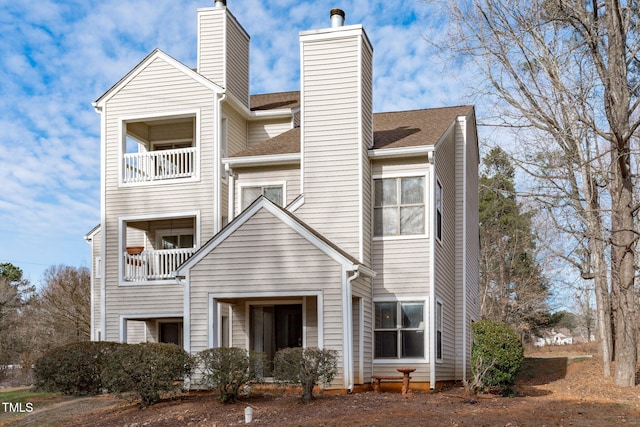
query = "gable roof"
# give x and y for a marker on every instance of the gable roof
(399, 129)
(156, 54)
(306, 231)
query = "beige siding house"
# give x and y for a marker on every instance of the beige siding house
(291, 219)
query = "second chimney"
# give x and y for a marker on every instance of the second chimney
(337, 17)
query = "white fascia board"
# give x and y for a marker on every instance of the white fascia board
(450, 129)
(268, 160)
(156, 54)
(390, 153)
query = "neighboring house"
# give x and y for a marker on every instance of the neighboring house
(286, 219)
(553, 337)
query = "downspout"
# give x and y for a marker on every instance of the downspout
(349, 309)
(102, 333)
(217, 204)
(464, 254)
(232, 184)
(432, 279)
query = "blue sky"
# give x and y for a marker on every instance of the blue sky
(57, 57)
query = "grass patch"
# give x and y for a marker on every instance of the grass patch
(24, 395)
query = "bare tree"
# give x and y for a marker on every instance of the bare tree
(566, 70)
(65, 303)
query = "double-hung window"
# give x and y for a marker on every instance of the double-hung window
(399, 206)
(271, 192)
(399, 330)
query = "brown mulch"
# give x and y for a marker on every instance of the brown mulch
(554, 389)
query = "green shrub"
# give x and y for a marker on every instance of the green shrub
(228, 369)
(306, 367)
(496, 356)
(147, 370)
(73, 368)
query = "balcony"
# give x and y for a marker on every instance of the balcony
(154, 264)
(160, 165)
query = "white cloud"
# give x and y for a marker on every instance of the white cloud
(58, 56)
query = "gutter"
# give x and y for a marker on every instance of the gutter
(390, 153)
(267, 160)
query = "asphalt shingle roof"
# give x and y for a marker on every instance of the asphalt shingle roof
(391, 130)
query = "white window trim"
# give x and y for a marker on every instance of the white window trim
(389, 175)
(400, 361)
(173, 232)
(437, 238)
(122, 141)
(249, 183)
(169, 320)
(435, 329)
(143, 316)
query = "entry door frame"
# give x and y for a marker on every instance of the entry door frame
(214, 317)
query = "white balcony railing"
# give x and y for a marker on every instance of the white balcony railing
(154, 265)
(159, 165)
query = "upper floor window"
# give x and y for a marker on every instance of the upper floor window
(271, 192)
(399, 206)
(399, 330)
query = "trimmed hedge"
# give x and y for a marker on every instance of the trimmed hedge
(74, 368)
(146, 369)
(498, 354)
(306, 367)
(228, 369)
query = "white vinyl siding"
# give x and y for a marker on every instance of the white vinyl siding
(155, 90)
(243, 264)
(333, 143)
(222, 39)
(237, 70)
(259, 131)
(211, 53)
(447, 167)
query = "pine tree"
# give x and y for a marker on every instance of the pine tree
(512, 286)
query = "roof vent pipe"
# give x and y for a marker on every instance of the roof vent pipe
(337, 18)
(221, 3)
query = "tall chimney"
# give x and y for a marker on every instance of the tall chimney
(337, 18)
(223, 50)
(336, 133)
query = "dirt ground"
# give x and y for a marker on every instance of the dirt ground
(555, 389)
